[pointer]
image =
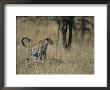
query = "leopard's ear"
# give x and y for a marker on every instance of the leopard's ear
(47, 39)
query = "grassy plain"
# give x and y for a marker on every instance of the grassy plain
(78, 60)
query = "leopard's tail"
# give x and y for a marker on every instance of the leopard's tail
(24, 41)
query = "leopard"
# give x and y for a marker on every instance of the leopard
(39, 51)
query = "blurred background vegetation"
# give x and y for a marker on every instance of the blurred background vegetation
(79, 60)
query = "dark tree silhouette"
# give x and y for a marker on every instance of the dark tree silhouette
(65, 23)
(84, 21)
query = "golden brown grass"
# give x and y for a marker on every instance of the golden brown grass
(79, 60)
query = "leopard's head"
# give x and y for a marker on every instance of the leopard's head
(50, 41)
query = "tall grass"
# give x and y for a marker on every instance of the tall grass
(79, 60)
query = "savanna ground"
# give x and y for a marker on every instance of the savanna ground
(78, 60)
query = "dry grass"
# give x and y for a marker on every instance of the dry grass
(79, 60)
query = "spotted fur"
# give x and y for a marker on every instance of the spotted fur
(39, 51)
